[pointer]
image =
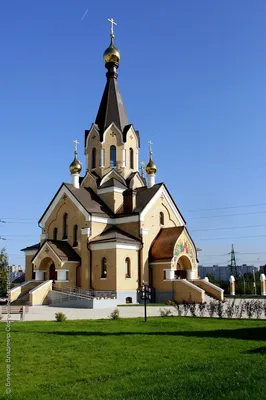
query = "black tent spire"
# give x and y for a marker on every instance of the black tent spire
(112, 109)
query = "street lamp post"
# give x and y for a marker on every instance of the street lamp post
(145, 291)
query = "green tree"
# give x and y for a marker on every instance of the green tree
(3, 272)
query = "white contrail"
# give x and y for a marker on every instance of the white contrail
(84, 15)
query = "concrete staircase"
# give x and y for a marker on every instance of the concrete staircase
(23, 298)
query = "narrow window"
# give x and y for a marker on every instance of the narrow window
(128, 300)
(93, 158)
(161, 218)
(65, 226)
(112, 156)
(127, 264)
(104, 268)
(75, 236)
(131, 158)
(55, 234)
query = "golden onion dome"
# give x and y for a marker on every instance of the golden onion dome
(151, 167)
(111, 54)
(75, 167)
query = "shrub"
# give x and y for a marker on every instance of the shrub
(185, 307)
(250, 308)
(192, 309)
(258, 309)
(169, 303)
(178, 308)
(264, 307)
(230, 309)
(115, 314)
(60, 317)
(211, 308)
(220, 309)
(165, 312)
(202, 307)
(242, 308)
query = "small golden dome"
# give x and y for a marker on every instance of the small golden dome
(151, 167)
(75, 167)
(111, 54)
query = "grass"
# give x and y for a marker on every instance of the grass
(128, 359)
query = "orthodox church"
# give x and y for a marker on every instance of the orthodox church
(112, 228)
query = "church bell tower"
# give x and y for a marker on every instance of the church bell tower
(112, 142)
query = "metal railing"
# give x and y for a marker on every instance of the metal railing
(88, 294)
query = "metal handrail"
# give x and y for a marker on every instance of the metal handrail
(72, 290)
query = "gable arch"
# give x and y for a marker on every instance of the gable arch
(116, 132)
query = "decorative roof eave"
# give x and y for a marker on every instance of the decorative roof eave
(163, 191)
(94, 128)
(102, 137)
(57, 197)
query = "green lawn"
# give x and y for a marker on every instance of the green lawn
(166, 358)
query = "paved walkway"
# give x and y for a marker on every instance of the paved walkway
(46, 313)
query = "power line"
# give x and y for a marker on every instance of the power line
(227, 208)
(236, 237)
(228, 215)
(232, 227)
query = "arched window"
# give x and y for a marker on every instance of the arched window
(55, 234)
(93, 158)
(161, 218)
(128, 269)
(128, 300)
(112, 156)
(75, 236)
(104, 268)
(65, 226)
(131, 158)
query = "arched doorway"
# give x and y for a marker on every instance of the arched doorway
(52, 272)
(183, 265)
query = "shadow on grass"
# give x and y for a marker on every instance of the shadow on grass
(259, 350)
(240, 334)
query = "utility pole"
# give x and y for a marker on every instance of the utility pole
(232, 265)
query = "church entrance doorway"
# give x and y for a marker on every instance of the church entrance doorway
(52, 273)
(180, 273)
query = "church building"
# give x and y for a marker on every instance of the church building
(114, 227)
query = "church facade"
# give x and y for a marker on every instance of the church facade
(112, 228)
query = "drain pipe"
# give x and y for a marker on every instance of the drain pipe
(90, 257)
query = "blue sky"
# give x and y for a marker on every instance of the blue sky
(192, 77)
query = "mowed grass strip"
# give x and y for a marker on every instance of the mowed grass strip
(164, 358)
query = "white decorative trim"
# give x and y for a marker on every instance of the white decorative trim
(75, 180)
(102, 158)
(144, 231)
(123, 158)
(106, 177)
(40, 286)
(69, 262)
(63, 190)
(125, 220)
(47, 244)
(85, 177)
(65, 270)
(111, 189)
(114, 245)
(108, 128)
(115, 221)
(92, 129)
(86, 231)
(161, 191)
(30, 252)
(44, 236)
(209, 284)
